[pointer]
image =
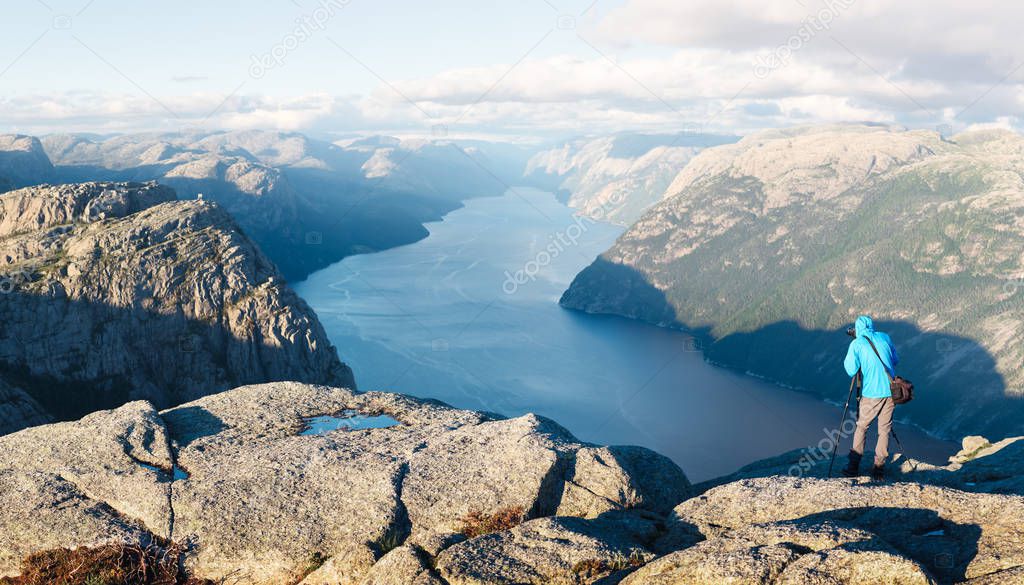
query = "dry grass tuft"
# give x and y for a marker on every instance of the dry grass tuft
(112, 564)
(478, 523)
(590, 569)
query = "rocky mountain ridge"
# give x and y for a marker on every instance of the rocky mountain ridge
(616, 178)
(308, 203)
(256, 491)
(117, 291)
(23, 162)
(770, 247)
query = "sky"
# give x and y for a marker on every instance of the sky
(515, 68)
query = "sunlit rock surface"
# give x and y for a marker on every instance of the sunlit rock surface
(116, 291)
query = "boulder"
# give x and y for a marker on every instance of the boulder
(717, 561)
(1008, 577)
(105, 478)
(260, 498)
(44, 511)
(551, 550)
(262, 494)
(855, 563)
(517, 463)
(616, 478)
(784, 552)
(405, 565)
(949, 534)
(121, 458)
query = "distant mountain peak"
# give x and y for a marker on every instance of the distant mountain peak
(23, 161)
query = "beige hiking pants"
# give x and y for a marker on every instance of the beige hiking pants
(870, 409)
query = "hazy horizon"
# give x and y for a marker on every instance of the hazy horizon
(537, 70)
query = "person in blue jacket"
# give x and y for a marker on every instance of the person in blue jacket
(876, 401)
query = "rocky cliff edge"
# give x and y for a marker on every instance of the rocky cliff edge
(258, 492)
(242, 479)
(114, 292)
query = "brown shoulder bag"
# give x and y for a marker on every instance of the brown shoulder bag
(901, 388)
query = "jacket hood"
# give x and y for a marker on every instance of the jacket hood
(864, 325)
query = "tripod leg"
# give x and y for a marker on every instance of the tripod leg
(903, 451)
(841, 422)
(898, 442)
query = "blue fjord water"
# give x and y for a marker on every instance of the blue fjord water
(470, 316)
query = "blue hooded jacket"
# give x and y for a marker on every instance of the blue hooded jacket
(861, 357)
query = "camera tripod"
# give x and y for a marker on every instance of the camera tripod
(855, 383)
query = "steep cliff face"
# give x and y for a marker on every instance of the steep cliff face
(115, 291)
(22, 162)
(771, 246)
(617, 178)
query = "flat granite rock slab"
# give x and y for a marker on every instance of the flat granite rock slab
(259, 494)
(120, 458)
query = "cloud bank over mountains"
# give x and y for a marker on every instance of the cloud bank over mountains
(717, 65)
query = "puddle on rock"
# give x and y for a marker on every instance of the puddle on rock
(349, 420)
(177, 473)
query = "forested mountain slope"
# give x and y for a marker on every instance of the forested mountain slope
(772, 246)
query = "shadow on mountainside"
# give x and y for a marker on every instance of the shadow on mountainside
(620, 290)
(958, 388)
(346, 219)
(74, 357)
(328, 219)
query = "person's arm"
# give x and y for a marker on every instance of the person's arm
(852, 361)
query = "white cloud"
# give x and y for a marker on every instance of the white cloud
(893, 28)
(659, 65)
(689, 87)
(109, 112)
(916, 62)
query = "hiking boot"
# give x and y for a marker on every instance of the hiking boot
(878, 473)
(852, 468)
